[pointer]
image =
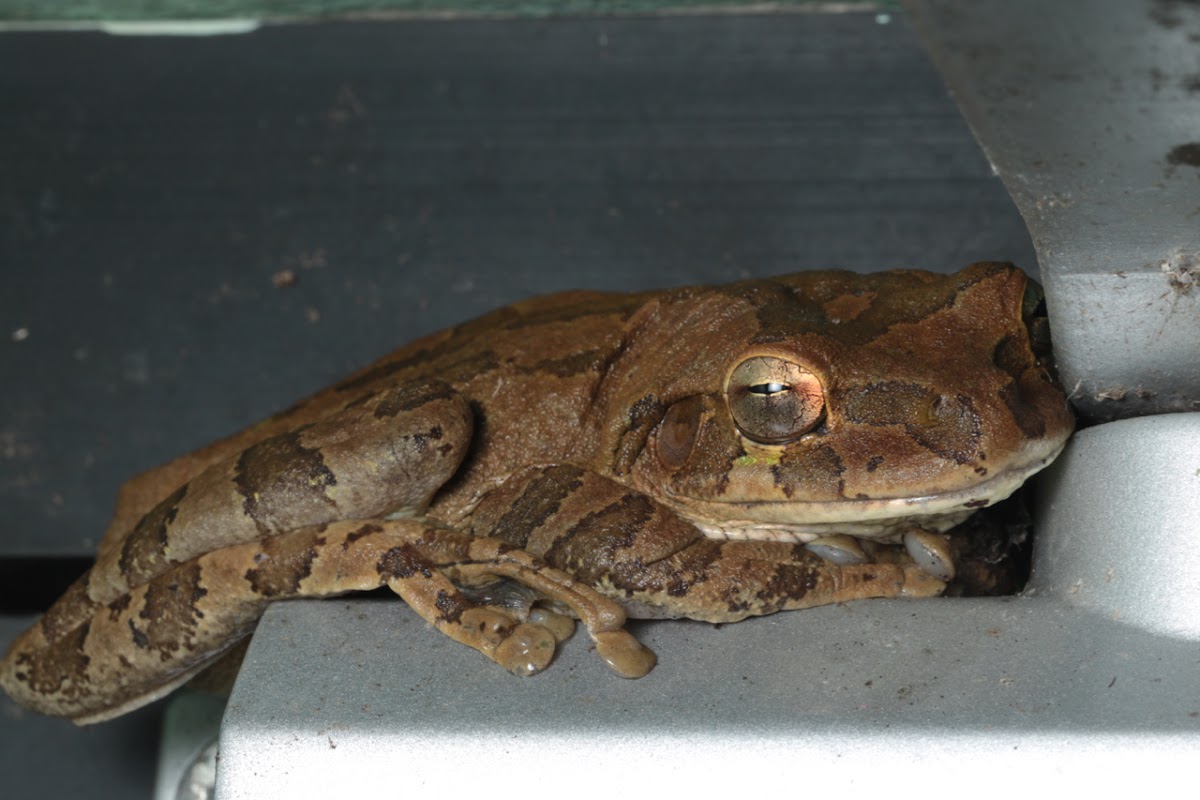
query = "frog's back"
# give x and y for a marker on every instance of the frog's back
(566, 336)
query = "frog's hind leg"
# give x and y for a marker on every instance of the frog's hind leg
(382, 454)
(159, 634)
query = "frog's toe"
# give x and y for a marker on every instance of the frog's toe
(916, 582)
(526, 650)
(624, 654)
(560, 625)
(931, 552)
(518, 602)
(839, 549)
(522, 648)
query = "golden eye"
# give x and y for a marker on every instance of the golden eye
(774, 401)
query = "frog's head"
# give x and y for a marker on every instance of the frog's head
(863, 404)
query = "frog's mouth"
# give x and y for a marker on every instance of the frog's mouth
(880, 519)
(887, 529)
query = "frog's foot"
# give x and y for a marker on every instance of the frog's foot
(603, 617)
(840, 549)
(560, 625)
(502, 634)
(428, 567)
(930, 551)
(524, 604)
(521, 648)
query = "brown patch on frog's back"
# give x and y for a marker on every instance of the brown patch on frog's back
(118, 606)
(64, 616)
(439, 363)
(389, 367)
(568, 366)
(60, 669)
(423, 355)
(169, 614)
(437, 360)
(408, 397)
(144, 551)
(848, 307)
(780, 311)
(279, 478)
(900, 297)
(283, 564)
(572, 306)
(140, 638)
(469, 367)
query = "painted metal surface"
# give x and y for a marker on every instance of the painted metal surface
(1090, 113)
(871, 696)
(1119, 532)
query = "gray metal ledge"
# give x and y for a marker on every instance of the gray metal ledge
(359, 697)
(1119, 533)
(1090, 113)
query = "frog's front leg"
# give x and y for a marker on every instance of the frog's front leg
(657, 564)
(156, 636)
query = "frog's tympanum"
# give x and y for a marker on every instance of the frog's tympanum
(706, 452)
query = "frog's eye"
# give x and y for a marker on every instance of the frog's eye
(774, 401)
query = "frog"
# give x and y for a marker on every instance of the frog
(705, 452)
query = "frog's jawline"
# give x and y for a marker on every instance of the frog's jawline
(881, 518)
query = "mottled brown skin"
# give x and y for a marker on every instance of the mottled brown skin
(581, 445)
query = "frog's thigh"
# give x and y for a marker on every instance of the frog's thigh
(657, 564)
(159, 634)
(387, 452)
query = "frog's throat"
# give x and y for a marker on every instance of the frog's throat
(873, 518)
